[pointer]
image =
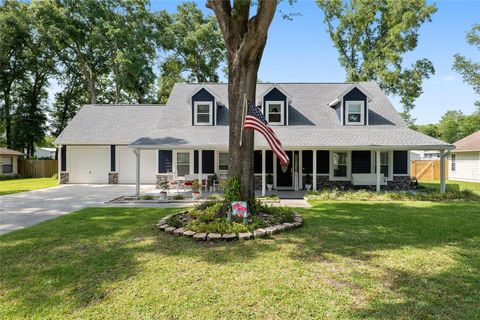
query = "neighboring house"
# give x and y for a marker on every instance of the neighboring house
(425, 155)
(9, 161)
(331, 131)
(464, 161)
(41, 152)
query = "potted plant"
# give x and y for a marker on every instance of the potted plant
(269, 182)
(164, 186)
(196, 189)
(308, 182)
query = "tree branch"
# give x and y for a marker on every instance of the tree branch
(223, 12)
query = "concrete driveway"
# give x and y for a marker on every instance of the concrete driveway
(28, 208)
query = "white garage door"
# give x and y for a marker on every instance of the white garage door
(127, 166)
(88, 164)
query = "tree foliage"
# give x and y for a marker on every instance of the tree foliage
(96, 52)
(372, 36)
(453, 126)
(194, 45)
(469, 69)
(14, 38)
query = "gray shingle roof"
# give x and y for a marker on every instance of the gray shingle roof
(312, 123)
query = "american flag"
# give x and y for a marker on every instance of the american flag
(256, 121)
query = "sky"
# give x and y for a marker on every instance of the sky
(301, 51)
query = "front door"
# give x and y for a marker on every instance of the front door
(285, 179)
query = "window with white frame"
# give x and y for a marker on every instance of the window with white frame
(275, 111)
(223, 161)
(383, 163)
(340, 164)
(183, 163)
(203, 113)
(7, 165)
(355, 112)
(454, 162)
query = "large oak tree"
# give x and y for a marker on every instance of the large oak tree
(372, 36)
(245, 38)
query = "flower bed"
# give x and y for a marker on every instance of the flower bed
(206, 222)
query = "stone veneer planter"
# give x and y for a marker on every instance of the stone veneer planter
(162, 225)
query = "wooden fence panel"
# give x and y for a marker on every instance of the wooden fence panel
(427, 169)
(37, 168)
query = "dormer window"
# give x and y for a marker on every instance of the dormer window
(275, 112)
(203, 113)
(355, 112)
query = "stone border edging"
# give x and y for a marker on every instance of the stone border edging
(202, 236)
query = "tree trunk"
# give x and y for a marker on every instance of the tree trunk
(93, 91)
(241, 157)
(245, 38)
(7, 108)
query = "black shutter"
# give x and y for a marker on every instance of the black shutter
(361, 161)
(164, 161)
(208, 161)
(307, 159)
(323, 162)
(112, 158)
(195, 161)
(63, 158)
(400, 162)
(257, 161)
(269, 159)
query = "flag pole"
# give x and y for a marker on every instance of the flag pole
(243, 117)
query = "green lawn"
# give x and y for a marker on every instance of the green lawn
(453, 185)
(351, 260)
(20, 185)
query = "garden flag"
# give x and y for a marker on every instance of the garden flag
(255, 120)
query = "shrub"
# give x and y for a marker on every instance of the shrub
(208, 213)
(277, 215)
(175, 221)
(147, 197)
(178, 197)
(219, 225)
(366, 195)
(232, 189)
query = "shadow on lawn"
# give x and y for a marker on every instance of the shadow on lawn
(78, 255)
(69, 260)
(360, 232)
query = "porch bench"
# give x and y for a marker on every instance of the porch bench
(367, 179)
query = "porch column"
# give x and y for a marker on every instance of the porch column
(443, 154)
(137, 183)
(200, 169)
(314, 169)
(378, 170)
(59, 162)
(263, 172)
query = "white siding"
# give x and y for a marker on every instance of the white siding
(467, 166)
(126, 165)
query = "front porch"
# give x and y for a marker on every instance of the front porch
(313, 169)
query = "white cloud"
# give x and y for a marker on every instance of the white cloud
(448, 78)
